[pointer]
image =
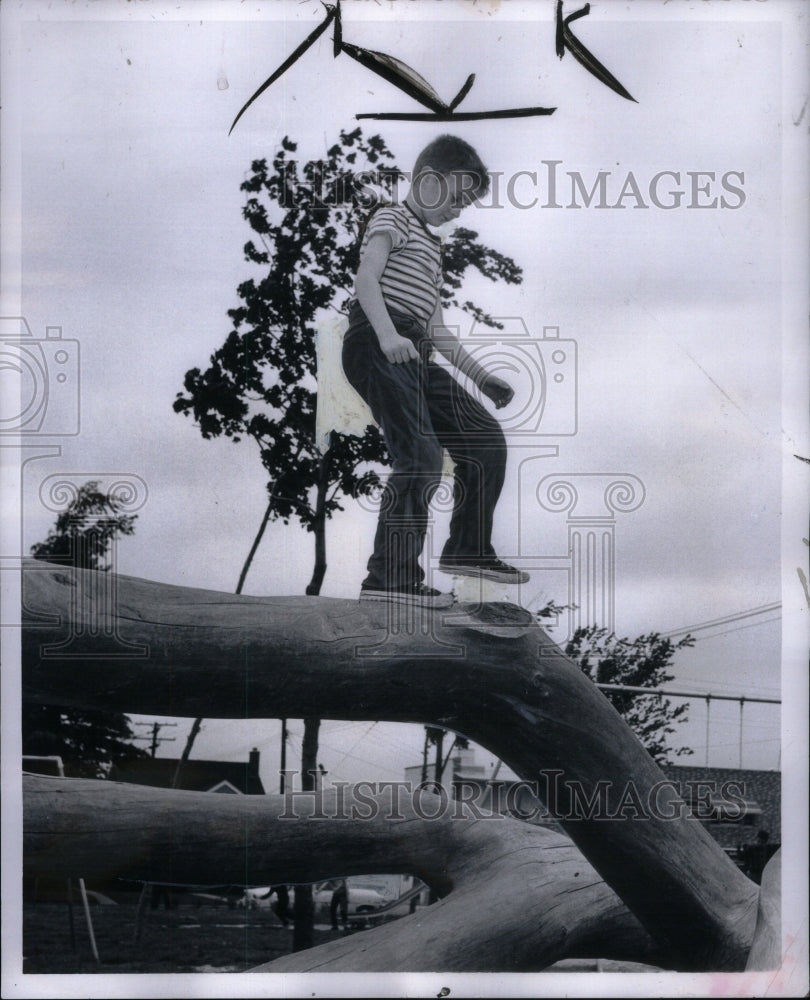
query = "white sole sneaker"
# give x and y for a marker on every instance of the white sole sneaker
(513, 576)
(403, 597)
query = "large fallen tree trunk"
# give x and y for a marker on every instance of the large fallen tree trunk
(516, 897)
(489, 673)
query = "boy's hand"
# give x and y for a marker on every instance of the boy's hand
(398, 349)
(497, 390)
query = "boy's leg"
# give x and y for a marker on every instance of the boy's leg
(394, 393)
(478, 449)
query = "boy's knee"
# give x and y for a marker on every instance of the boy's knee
(427, 476)
(488, 448)
(428, 459)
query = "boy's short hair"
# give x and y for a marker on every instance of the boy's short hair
(448, 155)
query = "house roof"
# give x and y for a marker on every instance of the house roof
(761, 792)
(195, 775)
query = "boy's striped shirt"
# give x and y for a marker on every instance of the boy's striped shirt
(412, 276)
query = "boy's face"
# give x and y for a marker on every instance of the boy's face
(442, 197)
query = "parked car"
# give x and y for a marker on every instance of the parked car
(364, 897)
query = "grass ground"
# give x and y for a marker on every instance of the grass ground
(186, 938)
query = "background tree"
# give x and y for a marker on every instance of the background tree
(87, 741)
(642, 662)
(85, 530)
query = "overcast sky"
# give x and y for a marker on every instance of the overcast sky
(132, 240)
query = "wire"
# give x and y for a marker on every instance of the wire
(765, 690)
(358, 740)
(739, 628)
(725, 746)
(714, 622)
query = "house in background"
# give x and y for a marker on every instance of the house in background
(495, 791)
(228, 777)
(740, 808)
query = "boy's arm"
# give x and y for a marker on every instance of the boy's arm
(396, 348)
(448, 345)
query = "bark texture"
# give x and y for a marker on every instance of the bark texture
(516, 897)
(488, 672)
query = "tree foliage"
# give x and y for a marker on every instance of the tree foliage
(85, 530)
(641, 662)
(87, 741)
(307, 219)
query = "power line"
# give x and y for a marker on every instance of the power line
(767, 690)
(726, 746)
(725, 620)
(740, 628)
(359, 739)
(706, 696)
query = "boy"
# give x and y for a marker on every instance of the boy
(395, 321)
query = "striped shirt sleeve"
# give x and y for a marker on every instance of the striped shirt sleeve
(411, 278)
(389, 220)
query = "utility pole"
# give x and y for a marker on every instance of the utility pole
(438, 768)
(156, 727)
(434, 735)
(195, 728)
(303, 904)
(425, 756)
(283, 769)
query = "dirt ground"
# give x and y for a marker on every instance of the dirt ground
(189, 937)
(186, 938)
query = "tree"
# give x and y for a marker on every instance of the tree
(87, 741)
(642, 662)
(260, 384)
(86, 529)
(487, 671)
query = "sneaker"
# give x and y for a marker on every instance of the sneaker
(417, 594)
(486, 568)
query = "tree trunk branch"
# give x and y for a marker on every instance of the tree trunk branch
(488, 672)
(516, 897)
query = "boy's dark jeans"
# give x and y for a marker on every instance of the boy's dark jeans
(421, 409)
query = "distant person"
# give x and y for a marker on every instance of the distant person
(281, 906)
(160, 893)
(757, 855)
(339, 901)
